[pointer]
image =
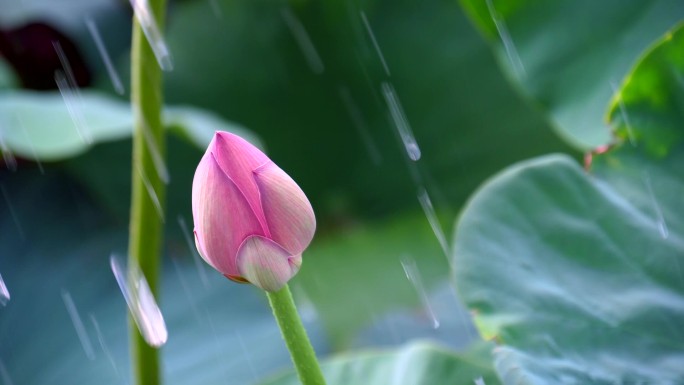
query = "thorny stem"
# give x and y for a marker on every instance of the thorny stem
(148, 188)
(301, 351)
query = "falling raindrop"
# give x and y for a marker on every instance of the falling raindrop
(306, 308)
(511, 51)
(400, 366)
(151, 193)
(4, 374)
(150, 29)
(65, 65)
(30, 143)
(400, 121)
(78, 325)
(68, 94)
(216, 9)
(413, 275)
(99, 43)
(623, 113)
(431, 215)
(303, 40)
(7, 156)
(155, 153)
(4, 293)
(375, 42)
(103, 345)
(660, 219)
(247, 355)
(201, 269)
(13, 214)
(141, 303)
(360, 124)
(186, 289)
(66, 83)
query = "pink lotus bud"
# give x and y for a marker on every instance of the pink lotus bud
(252, 221)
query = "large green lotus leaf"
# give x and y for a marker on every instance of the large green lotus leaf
(569, 55)
(46, 126)
(418, 363)
(579, 274)
(56, 242)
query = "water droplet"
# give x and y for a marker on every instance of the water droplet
(151, 193)
(431, 215)
(21, 125)
(4, 374)
(201, 268)
(479, 381)
(13, 214)
(360, 124)
(306, 308)
(78, 325)
(375, 43)
(660, 219)
(150, 29)
(4, 293)
(623, 113)
(155, 153)
(511, 51)
(68, 88)
(246, 355)
(141, 303)
(400, 121)
(413, 275)
(216, 9)
(99, 43)
(302, 38)
(103, 345)
(7, 156)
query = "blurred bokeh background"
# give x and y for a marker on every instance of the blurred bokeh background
(321, 87)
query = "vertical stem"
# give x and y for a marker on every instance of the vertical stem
(148, 192)
(301, 351)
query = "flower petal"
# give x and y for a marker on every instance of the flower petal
(291, 220)
(238, 159)
(222, 216)
(265, 264)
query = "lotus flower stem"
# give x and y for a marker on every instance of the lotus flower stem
(148, 187)
(301, 351)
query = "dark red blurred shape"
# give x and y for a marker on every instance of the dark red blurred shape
(31, 52)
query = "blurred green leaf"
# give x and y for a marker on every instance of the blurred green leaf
(569, 55)
(418, 363)
(47, 126)
(361, 269)
(241, 60)
(579, 275)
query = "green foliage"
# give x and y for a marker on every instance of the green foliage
(361, 269)
(418, 363)
(45, 128)
(569, 55)
(250, 69)
(579, 274)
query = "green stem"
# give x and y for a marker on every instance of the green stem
(301, 351)
(148, 188)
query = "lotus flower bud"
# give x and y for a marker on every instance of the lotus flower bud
(252, 221)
